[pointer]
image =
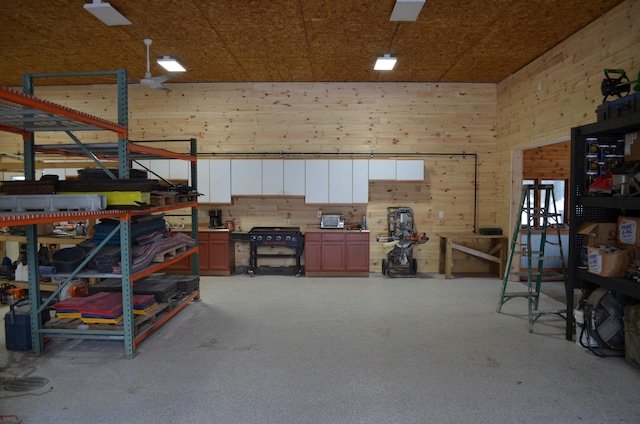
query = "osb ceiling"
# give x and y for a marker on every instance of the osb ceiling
(288, 40)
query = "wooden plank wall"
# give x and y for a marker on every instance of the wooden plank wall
(396, 118)
(542, 102)
(550, 162)
(535, 106)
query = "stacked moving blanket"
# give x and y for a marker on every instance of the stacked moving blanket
(103, 308)
(164, 287)
(141, 226)
(151, 243)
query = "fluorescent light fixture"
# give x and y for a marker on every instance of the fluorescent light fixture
(385, 63)
(406, 10)
(170, 64)
(106, 13)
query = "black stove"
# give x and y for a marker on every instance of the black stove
(275, 237)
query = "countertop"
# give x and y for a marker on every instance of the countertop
(307, 229)
(201, 230)
(316, 229)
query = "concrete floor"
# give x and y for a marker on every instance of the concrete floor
(280, 349)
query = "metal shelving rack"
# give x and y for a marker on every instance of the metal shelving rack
(593, 208)
(24, 114)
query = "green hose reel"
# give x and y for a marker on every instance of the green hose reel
(617, 86)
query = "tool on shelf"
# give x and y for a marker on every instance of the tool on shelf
(619, 86)
(538, 218)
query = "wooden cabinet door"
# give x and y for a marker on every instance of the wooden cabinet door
(357, 252)
(333, 252)
(203, 252)
(182, 265)
(220, 254)
(312, 252)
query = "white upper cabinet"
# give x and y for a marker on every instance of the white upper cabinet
(179, 170)
(317, 181)
(382, 169)
(246, 177)
(272, 177)
(143, 164)
(204, 181)
(340, 181)
(219, 180)
(410, 170)
(60, 172)
(294, 177)
(159, 169)
(360, 181)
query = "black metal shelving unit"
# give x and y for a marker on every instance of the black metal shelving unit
(595, 208)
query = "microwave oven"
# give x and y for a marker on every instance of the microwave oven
(332, 221)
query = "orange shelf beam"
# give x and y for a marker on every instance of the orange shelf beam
(33, 102)
(160, 152)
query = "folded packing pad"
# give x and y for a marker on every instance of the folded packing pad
(141, 226)
(103, 305)
(163, 286)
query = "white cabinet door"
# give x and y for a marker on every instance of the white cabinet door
(340, 181)
(71, 172)
(179, 170)
(143, 164)
(246, 177)
(410, 170)
(204, 178)
(60, 172)
(294, 177)
(220, 180)
(382, 169)
(360, 181)
(272, 177)
(159, 169)
(316, 181)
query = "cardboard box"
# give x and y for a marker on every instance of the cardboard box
(632, 146)
(607, 263)
(599, 233)
(45, 229)
(628, 231)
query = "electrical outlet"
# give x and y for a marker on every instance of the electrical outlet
(202, 214)
(441, 214)
(319, 214)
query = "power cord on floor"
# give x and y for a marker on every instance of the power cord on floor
(27, 394)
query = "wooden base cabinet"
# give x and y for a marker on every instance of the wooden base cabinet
(220, 255)
(336, 254)
(216, 255)
(357, 252)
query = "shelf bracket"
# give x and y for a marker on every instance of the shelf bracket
(90, 155)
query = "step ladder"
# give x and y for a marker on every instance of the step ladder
(538, 221)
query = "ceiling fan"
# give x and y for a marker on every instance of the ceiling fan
(154, 82)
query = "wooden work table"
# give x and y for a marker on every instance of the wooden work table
(496, 254)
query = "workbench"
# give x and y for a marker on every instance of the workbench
(496, 254)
